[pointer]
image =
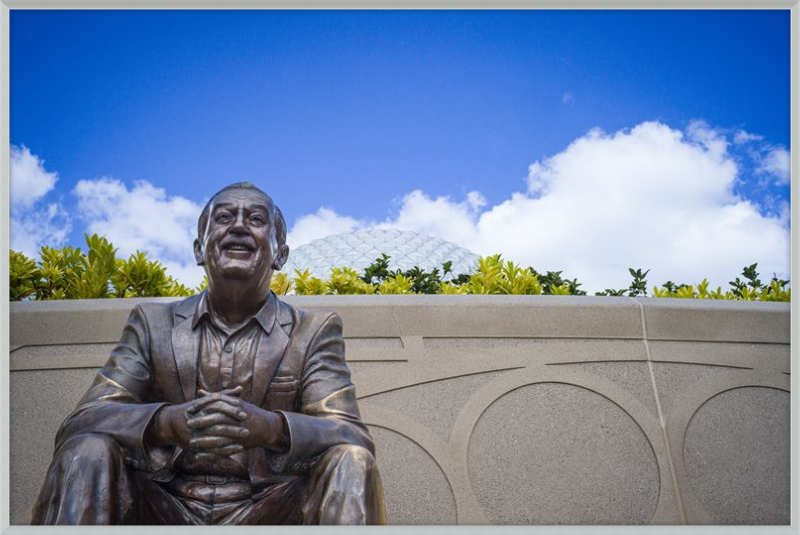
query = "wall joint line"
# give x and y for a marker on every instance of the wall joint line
(661, 419)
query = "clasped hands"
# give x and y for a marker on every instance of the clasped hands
(218, 424)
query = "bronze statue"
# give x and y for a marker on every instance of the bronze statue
(229, 407)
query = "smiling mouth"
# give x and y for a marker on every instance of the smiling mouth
(239, 248)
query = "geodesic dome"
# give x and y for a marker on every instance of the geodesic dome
(360, 249)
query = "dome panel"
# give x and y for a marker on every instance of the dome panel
(359, 249)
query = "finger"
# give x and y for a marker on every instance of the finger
(200, 422)
(232, 431)
(207, 420)
(207, 455)
(216, 397)
(234, 391)
(205, 442)
(226, 451)
(201, 402)
(225, 408)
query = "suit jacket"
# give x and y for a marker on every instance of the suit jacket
(299, 370)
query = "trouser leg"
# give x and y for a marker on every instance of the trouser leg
(88, 482)
(344, 488)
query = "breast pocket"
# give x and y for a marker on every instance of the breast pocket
(282, 393)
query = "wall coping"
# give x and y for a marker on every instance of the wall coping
(101, 320)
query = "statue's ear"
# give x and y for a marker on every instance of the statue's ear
(198, 252)
(280, 257)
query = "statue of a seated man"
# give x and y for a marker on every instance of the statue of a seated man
(229, 407)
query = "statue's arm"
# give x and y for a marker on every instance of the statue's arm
(329, 412)
(116, 403)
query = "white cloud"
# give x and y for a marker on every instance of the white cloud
(741, 137)
(568, 98)
(30, 181)
(649, 197)
(46, 225)
(441, 217)
(143, 218)
(34, 222)
(324, 222)
(711, 139)
(776, 162)
(475, 200)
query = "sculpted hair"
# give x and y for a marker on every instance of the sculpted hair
(278, 223)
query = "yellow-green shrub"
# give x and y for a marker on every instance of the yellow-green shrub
(69, 273)
(24, 276)
(306, 284)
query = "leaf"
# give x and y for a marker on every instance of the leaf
(24, 276)
(399, 284)
(280, 283)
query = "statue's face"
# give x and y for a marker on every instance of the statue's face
(237, 242)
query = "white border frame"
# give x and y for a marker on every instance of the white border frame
(5, 140)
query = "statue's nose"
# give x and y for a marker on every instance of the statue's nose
(238, 226)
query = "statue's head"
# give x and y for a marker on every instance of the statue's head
(241, 234)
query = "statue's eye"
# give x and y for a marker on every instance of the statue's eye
(224, 217)
(258, 220)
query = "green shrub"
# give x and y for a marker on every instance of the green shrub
(346, 281)
(140, 277)
(452, 288)
(281, 284)
(307, 284)
(494, 276)
(554, 284)
(68, 273)
(751, 289)
(59, 269)
(24, 275)
(398, 284)
(486, 280)
(422, 282)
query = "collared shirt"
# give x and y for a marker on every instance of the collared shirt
(225, 361)
(226, 357)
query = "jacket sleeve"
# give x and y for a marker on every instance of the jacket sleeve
(328, 409)
(115, 404)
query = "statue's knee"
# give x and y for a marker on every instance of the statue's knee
(90, 445)
(350, 454)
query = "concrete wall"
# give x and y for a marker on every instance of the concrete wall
(506, 409)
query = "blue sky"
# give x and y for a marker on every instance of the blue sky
(485, 128)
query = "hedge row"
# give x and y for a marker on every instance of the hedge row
(69, 273)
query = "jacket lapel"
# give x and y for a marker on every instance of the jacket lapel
(271, 349)
(185, 346)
